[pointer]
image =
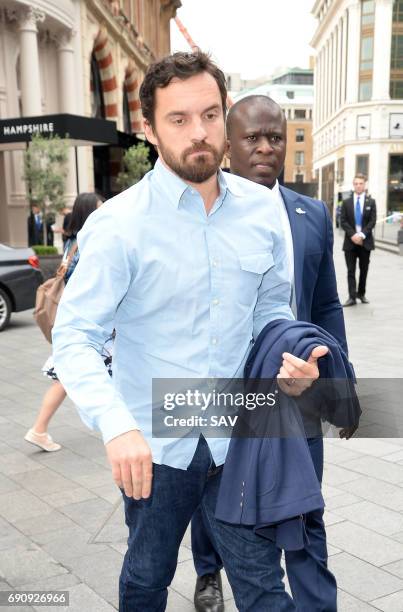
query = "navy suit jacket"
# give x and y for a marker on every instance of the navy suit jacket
(315, 279)
(268, 478)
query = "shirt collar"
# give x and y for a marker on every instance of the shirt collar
(175, 187)
(171, 183)
(276, 192)
(276, 189)
(228, 181)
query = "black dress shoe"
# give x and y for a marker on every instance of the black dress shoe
(208, 593)
(350, 302)
(363, 299)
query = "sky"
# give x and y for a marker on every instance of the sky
(252, 37)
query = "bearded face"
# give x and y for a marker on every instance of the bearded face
(188, 128)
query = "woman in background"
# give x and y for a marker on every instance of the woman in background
(84, 205)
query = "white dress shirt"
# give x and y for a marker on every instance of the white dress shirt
(285, 224)
(362, 202)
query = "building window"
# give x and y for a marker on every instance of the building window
(327, 187)
(97, 96)
(368, 12)
(127, 125)
(299, 113)
(299, 178)
(396, 125)
(300, 135)
(299, 158)
(367, 53)
(366, 49)
(340, 170)
(362, 164)
(398, 11)
(19, 93)
(396, 56)
(365, 90)
(290, 94)
(395, 191)
(363, 127)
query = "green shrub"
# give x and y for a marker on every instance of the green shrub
(42, 250)
(136, 165)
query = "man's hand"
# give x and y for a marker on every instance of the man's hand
(297, 375)
(131, 461)
(357, 239)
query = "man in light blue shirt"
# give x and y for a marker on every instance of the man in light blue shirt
(188, 266)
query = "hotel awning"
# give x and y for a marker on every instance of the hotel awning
(81, 131)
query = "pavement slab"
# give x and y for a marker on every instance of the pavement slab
(365, 543)
(382, 520)
(362, 580)
(61, 521)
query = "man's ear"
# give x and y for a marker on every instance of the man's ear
(149, 132)
(228, 149)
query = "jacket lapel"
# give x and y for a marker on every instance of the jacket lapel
(365, 212)
(298, 231)
(351, 210)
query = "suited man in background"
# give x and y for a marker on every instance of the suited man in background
(35, 226)
(358, 219)
(257, 140)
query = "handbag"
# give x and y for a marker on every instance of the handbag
(48, 296)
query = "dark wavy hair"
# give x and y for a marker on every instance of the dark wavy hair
(84, 205)
(182, 66)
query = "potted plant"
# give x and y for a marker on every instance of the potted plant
(136, 165)
(45, 172)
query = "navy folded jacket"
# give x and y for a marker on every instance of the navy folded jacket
(270, 482)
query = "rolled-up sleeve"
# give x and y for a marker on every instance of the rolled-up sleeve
(85, 320)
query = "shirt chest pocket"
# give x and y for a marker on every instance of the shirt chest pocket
(252, 268)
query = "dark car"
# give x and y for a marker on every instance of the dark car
(20, 277)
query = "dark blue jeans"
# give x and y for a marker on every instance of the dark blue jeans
(157, 526)
(313, 585)
(205, 557)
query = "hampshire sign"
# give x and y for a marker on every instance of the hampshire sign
(28, 128)
(79, 130)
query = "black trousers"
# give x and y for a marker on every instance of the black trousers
(360, 253)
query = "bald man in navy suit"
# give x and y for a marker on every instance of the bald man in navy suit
(257, 141)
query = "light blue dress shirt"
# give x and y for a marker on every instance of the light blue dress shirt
(185, 291)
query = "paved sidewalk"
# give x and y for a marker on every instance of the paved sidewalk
(61, 521)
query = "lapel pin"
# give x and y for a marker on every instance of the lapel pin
(300, 211)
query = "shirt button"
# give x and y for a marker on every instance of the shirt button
(216, 302)
(241, 504)
(214, 341)
(215, 263)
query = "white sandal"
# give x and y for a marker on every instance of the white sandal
(43, 440)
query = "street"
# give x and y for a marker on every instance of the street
(61, 517)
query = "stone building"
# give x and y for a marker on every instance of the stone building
(76, 57)
(358, 118)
